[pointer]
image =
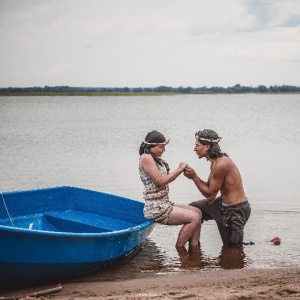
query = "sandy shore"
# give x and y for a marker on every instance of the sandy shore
(240, 284)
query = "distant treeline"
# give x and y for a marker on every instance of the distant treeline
(67, 90)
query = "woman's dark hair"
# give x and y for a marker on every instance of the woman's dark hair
(152, 139)
(211, 138)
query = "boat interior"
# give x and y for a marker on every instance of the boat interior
(69, 209)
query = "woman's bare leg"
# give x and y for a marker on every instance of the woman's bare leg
(195, 239)
(191, 227)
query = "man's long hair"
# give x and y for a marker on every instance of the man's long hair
(211, 138)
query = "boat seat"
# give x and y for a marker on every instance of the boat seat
(75, 221)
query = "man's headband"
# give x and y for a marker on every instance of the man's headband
(207, 140)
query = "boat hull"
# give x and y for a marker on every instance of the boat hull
(65, 231)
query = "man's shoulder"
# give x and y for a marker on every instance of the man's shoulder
(225, 163)
(224, 160)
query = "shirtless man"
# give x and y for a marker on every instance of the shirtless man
(231, 209)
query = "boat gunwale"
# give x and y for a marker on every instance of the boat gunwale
(35, 232)
(133, 229)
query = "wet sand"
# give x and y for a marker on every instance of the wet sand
(283, 283)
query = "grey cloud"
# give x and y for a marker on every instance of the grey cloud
(263, 11)
(273, 13)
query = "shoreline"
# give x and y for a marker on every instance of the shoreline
(136, 94)
(221, 284)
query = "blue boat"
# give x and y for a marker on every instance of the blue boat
(58, 232)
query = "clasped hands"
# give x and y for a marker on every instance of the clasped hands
(188, 171)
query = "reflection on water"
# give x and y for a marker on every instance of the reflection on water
(232, 258)
(190, 259)
(229, 258)
(145, 260)
(148, 260)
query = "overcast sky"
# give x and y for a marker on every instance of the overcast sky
(148, 43)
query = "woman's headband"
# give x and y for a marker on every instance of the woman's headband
(155, 144)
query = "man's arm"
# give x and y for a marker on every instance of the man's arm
(210, 188)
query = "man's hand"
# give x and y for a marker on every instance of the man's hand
(190, 173)
(182, 166)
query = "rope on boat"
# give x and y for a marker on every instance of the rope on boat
(7, 211)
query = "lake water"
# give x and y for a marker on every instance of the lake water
(92, 142)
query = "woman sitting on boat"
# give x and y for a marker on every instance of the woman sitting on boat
(155, 175)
